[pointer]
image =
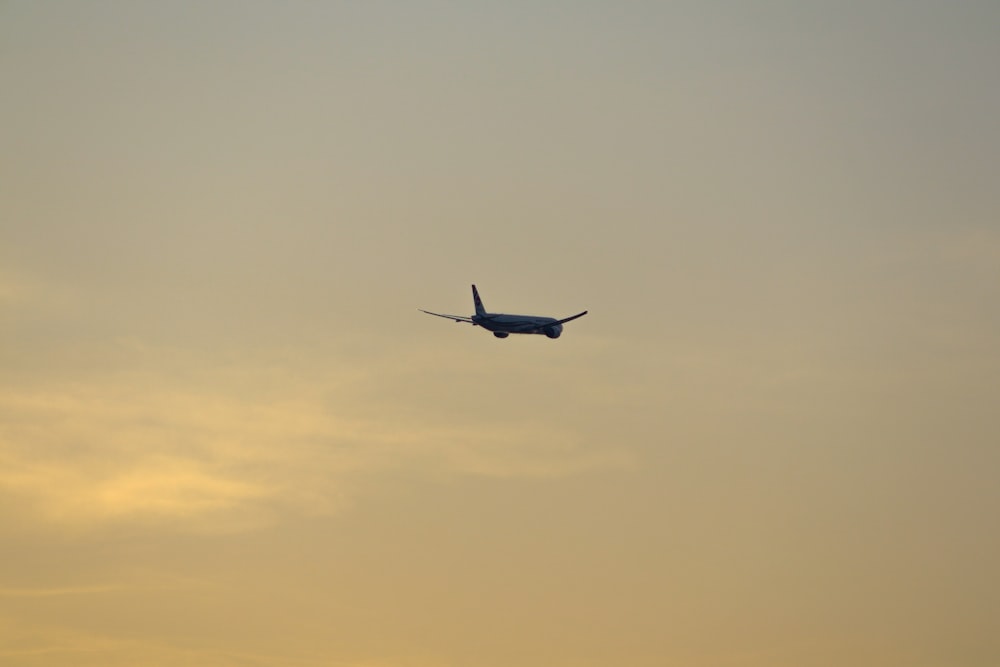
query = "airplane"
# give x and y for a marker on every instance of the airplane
(503, 325)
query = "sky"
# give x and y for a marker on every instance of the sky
(228, 437)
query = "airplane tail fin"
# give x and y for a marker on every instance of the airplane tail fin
(479, 302)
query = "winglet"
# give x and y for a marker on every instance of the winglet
(572, 318)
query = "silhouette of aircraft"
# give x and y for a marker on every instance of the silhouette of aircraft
(503, 325)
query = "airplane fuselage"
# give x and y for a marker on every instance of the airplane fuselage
(501, 325)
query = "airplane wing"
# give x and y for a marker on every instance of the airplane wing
(457, 318)
(571, 318)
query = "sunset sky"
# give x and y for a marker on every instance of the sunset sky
(228, 438)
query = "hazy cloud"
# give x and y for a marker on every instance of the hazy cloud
(230, 451)
(55, 592)
(31, 644)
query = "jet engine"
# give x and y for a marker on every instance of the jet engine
(554, 331)
(500, 334)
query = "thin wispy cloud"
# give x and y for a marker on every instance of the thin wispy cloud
(53, 644)
(57, 591)
(32, 644)
(145, 447)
